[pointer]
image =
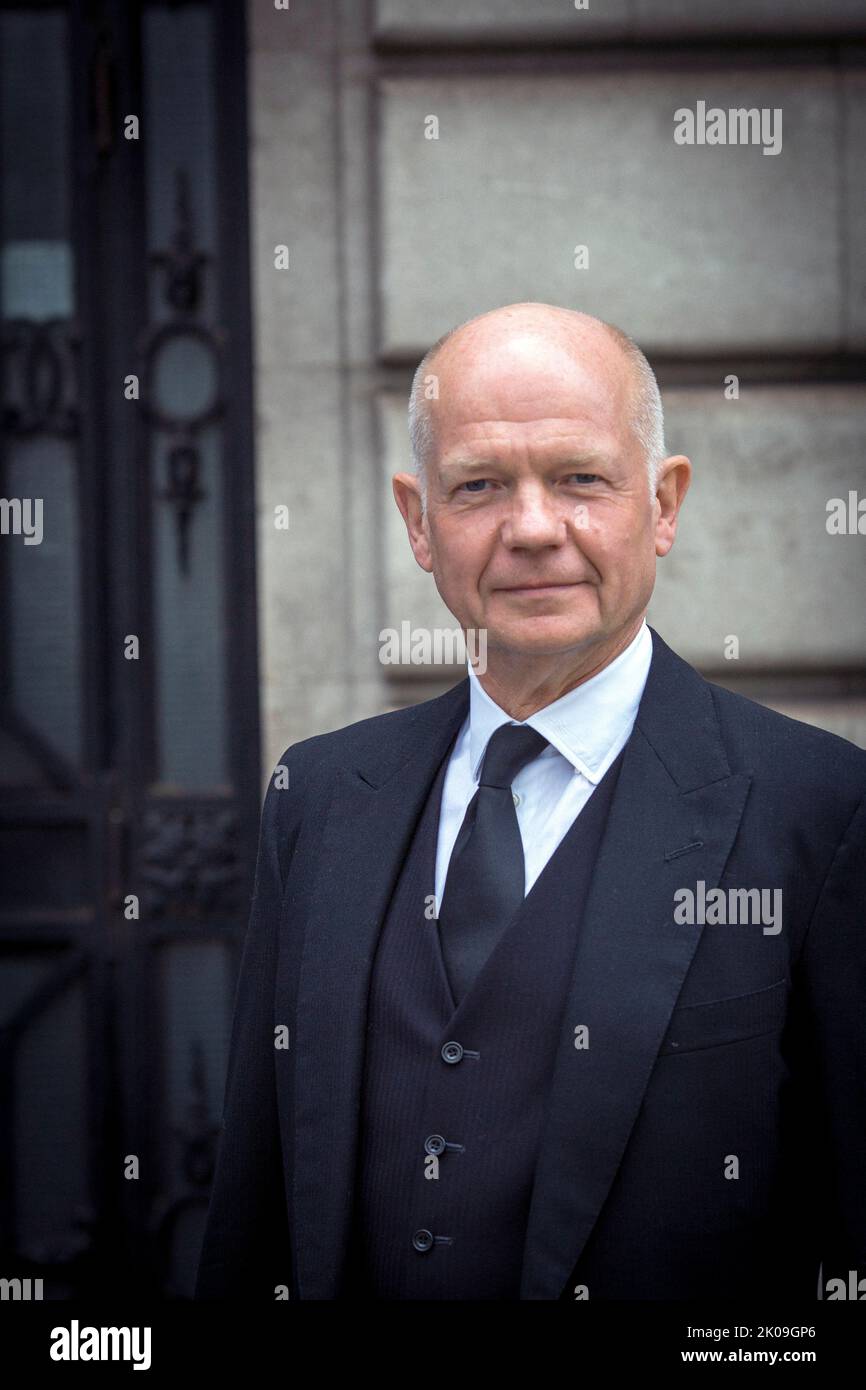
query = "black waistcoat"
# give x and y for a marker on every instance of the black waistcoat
(476, 1078)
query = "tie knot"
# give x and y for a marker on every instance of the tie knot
(508, 750)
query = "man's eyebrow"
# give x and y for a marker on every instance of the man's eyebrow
(460, 463)
(454, 463)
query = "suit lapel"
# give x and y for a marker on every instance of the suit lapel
(366, 833)
(673, 821)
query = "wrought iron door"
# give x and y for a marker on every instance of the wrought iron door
(128, 722)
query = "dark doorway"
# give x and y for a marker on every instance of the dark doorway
(128, 678)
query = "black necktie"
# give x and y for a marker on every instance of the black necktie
(486, 877)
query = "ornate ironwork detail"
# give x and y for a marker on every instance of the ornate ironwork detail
(40, 376)
(183, 491)
(157, 340)
(183, 267)
(190, 865)
(181, 262)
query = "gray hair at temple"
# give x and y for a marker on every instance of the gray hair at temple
(647, 415)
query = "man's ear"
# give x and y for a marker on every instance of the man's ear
(674, 476)
(407, 494)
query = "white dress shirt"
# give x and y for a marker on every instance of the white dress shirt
(586, 728)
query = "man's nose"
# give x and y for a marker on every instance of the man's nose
(534, 519)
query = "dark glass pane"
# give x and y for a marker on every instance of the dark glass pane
(179, 103)
(197, 989)
(42, 627)
(190, 632)
(34, 126)
(197, 981)
(186, 451)
(51, 1130)
(43, 592)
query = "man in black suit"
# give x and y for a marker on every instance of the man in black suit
(553, 986)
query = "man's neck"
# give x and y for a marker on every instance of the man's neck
(522, 686)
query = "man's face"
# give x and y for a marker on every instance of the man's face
(540, 526)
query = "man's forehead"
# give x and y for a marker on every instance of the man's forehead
(536, 409)
(482, 442)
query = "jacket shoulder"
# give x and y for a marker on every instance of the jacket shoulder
(353, 740)
(766, 739)
(300, 781)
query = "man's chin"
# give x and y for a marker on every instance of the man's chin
(542, 636)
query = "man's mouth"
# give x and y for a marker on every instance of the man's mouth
(539, 588)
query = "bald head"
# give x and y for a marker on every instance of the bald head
(500, 335)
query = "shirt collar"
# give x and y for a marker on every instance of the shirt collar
(588, 725)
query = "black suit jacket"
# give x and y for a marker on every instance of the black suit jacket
(712, 1142)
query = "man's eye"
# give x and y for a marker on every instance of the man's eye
(474, 482)
(585, 477)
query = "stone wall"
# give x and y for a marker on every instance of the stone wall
(555, 130)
